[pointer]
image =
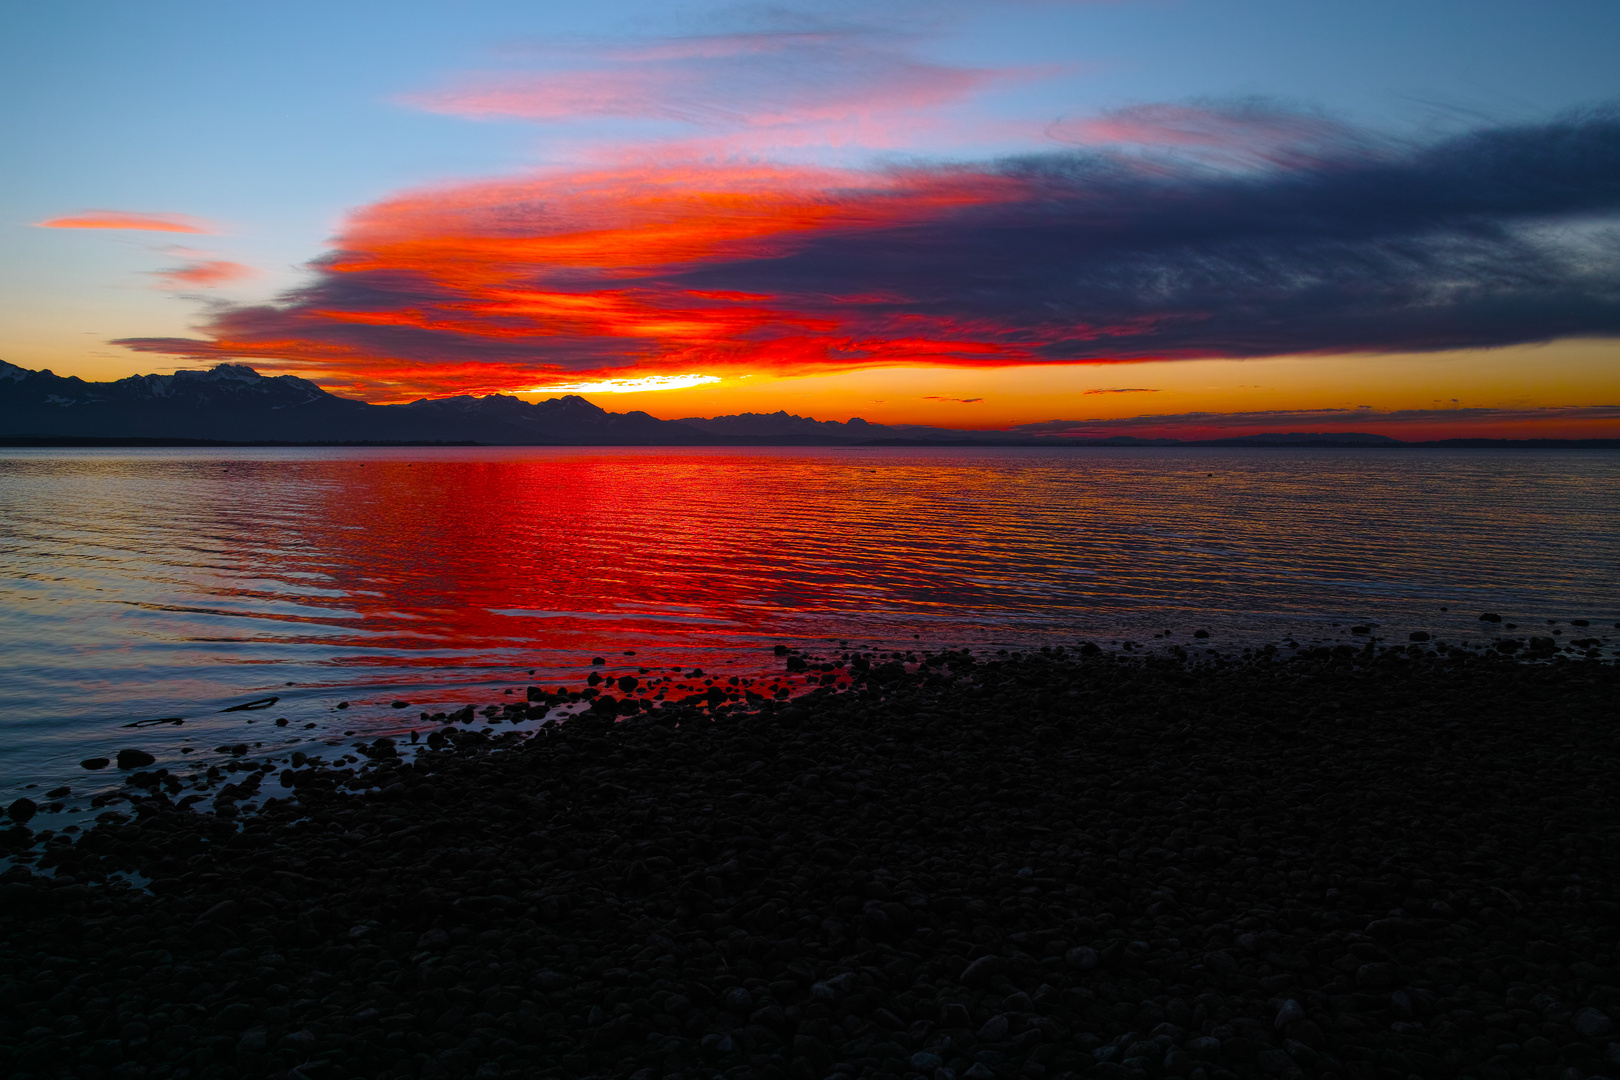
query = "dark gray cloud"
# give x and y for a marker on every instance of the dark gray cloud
(1499, 236)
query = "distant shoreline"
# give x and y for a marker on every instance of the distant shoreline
(234, 406)
(136, 442)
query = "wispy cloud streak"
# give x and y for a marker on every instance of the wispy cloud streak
(732, 94)
(204, 273)
(753, 79)
(125, 219)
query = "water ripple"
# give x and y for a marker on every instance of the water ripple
(136, 584)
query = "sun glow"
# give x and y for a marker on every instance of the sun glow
(626, 386)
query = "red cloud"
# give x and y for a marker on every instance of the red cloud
(492, 286)
(205, 273)
(123, 219)
(1068, 257)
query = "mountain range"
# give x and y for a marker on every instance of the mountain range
(232, 404)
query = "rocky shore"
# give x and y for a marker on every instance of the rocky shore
(1358, 864)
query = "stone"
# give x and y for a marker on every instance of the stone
(1204, 1046)
(1275, 1062)
(1305, 1031)
(1591, 1024)
(94, 763)
(224, 911)
(135, 759)
(1375, 975)
(1083, 957)
(1303, 1054)
(981, 970)
(1133, 845)
(716, 1045)
(1290, 1012)
(22, 810)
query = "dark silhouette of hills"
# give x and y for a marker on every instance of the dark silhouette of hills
(233, 405)
(784, 427)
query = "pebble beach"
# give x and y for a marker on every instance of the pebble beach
(1355, 863)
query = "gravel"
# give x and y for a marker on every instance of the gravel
(1358, 864)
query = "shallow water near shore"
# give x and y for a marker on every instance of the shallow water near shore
(139, 585)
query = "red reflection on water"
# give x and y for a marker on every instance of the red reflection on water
(174, 583)
(451, 560)
(398, 567)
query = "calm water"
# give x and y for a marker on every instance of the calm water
(136, 585)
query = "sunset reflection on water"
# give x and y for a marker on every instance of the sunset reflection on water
(173, 582)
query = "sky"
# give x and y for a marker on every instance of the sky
(1167, 216)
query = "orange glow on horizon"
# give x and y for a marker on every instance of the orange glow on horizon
(1564, 390)
(644, 384)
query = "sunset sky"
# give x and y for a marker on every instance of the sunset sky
(1176, 216)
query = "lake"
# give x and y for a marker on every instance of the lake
(147, 584)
